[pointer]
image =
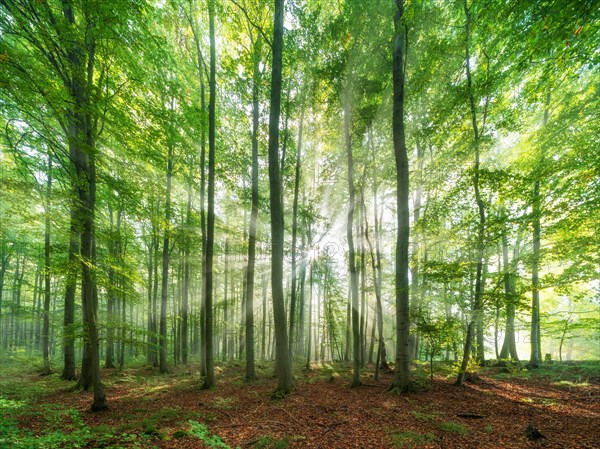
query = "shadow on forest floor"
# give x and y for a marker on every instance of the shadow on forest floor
(148, 410)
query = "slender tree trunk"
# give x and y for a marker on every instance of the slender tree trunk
(301, 318)
(111, 297)
(202, 320)
(46, 329)
(381, 352)
(320, 329)
(372, 340)
(363, 284)
(536, 353)
(32, 345)
(155, 343)
(563, 335)
(509, 347)
(401, 380)
(310, 290)
(295, 230)
(416, 290)
(4, 259)
(249, 312)
(242, 309)
(165, 267)
(226, 302)
(351, 253)
(348, 324)
(39, 287)
(209, 380)
(263, 348)
(186, 282)
(462, 373)
(123, 328)
(282, 362)
(232, 337)
(477, 309)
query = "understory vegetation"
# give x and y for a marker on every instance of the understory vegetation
(153, 410)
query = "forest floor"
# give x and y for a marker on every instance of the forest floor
(149, 410)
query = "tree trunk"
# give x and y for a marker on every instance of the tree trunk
(477, 308)
(351, 253)
(202, 320)
(282, 362)
(209, 380)
(263, 348)
(509, 347)
(401, 380)
(536, 356)
(155, 298)
(4, 259)
(363, 285)
(381, 352)
(226, 302)
(372, 340)
(416, 289)
(46, 327)
(111, 296)
(295, 230)
(186, 282)
(81, 136)
(310, 290)
(466, 355)
(301, 318)
(123, 328)
(250, 368)
(165, 267)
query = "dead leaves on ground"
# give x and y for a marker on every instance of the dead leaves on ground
(491, 413)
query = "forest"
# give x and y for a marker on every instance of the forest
(301, 223)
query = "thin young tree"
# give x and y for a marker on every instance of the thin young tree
(351, 253)
(249, 303)
(293, 292)
(476, 320)
(46, 327)
(536, 212)
(165, 265)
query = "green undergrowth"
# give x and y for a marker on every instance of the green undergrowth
(27, 420)
(58, 427)
(453, 427)
(271, 442)
(201, 432)
(410, 439)
(570, 374)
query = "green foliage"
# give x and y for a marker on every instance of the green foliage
(63, 428)
(201, 432)
(438, 334)
(410, 439)
(423, 417)
(269, 442)
(453, 427)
